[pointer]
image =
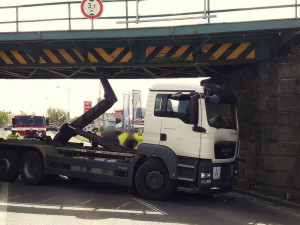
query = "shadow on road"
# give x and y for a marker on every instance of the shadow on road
(98, 201)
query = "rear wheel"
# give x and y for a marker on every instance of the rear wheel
(9, 165)
(153, 182)
(32, 168)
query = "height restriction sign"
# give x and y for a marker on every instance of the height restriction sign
(91, 9)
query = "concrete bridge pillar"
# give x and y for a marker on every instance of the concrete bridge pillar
(269, 115)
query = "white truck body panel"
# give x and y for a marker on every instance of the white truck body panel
(153, 123)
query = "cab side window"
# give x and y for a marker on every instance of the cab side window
(159, 105)
(179, 109)
(165, 106)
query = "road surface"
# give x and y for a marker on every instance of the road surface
(65, 202)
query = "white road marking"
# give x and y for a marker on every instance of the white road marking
(85, 202)
(149, 206)
(29, 205)
(17, 196)
(123, 205)
(3, 198)
(126, 211)
(47, 200)
(66, 208)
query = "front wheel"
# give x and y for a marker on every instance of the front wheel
(32, 168)
(153, 181)
(9, 165)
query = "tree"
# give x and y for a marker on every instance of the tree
(3, 117)
(57, 115)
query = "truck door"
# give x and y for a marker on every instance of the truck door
(153, 117)
(176, 130)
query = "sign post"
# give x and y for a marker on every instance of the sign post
(91, 9)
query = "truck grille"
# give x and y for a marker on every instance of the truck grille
(225, 149)
(226, 172)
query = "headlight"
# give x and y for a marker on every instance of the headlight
(205, 175)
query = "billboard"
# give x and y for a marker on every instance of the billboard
(126, 111)
(137, 105)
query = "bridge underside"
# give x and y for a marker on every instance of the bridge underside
(190, 51)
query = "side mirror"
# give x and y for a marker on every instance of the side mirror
(214, 99)
(13, 121)
(47, 121)
(194, 109)
(179, 96)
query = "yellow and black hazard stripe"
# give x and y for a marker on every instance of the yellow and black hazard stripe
(225, 51)
(183, 52)
(228, 51)
(66, 56)
(15, 57)
(46, 56)
(109, 55)
(60, 56)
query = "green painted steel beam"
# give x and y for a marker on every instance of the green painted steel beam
(173, 32)
(264, 38)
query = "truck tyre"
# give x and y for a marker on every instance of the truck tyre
(32, 168)
(9, 165)
(153, 181)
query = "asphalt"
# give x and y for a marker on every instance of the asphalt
(276, 200)
(64, 202)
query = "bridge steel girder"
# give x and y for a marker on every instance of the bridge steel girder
(188, 51)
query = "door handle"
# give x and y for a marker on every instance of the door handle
(163, 137)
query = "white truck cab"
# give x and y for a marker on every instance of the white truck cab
(194, 127)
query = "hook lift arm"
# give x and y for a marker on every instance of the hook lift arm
(68, 130)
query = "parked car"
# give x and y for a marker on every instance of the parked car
(8, 127)
(52, 128)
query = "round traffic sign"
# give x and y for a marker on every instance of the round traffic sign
(91, 9)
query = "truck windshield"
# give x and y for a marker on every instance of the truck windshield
(221, 115)
(30, 121)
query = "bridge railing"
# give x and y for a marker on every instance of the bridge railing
(123, 14)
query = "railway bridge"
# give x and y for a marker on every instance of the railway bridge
(257, 59)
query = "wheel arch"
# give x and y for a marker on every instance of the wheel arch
(163, 153)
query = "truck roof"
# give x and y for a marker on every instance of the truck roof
(173, 87)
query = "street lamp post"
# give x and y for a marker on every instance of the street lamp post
(68, 101)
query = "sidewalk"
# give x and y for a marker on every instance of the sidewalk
(273, 199)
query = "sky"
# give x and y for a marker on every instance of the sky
(38, 95)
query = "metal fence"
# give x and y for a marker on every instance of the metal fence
(67, 16)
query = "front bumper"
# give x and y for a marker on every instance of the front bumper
(31, 135)
(222, 175)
